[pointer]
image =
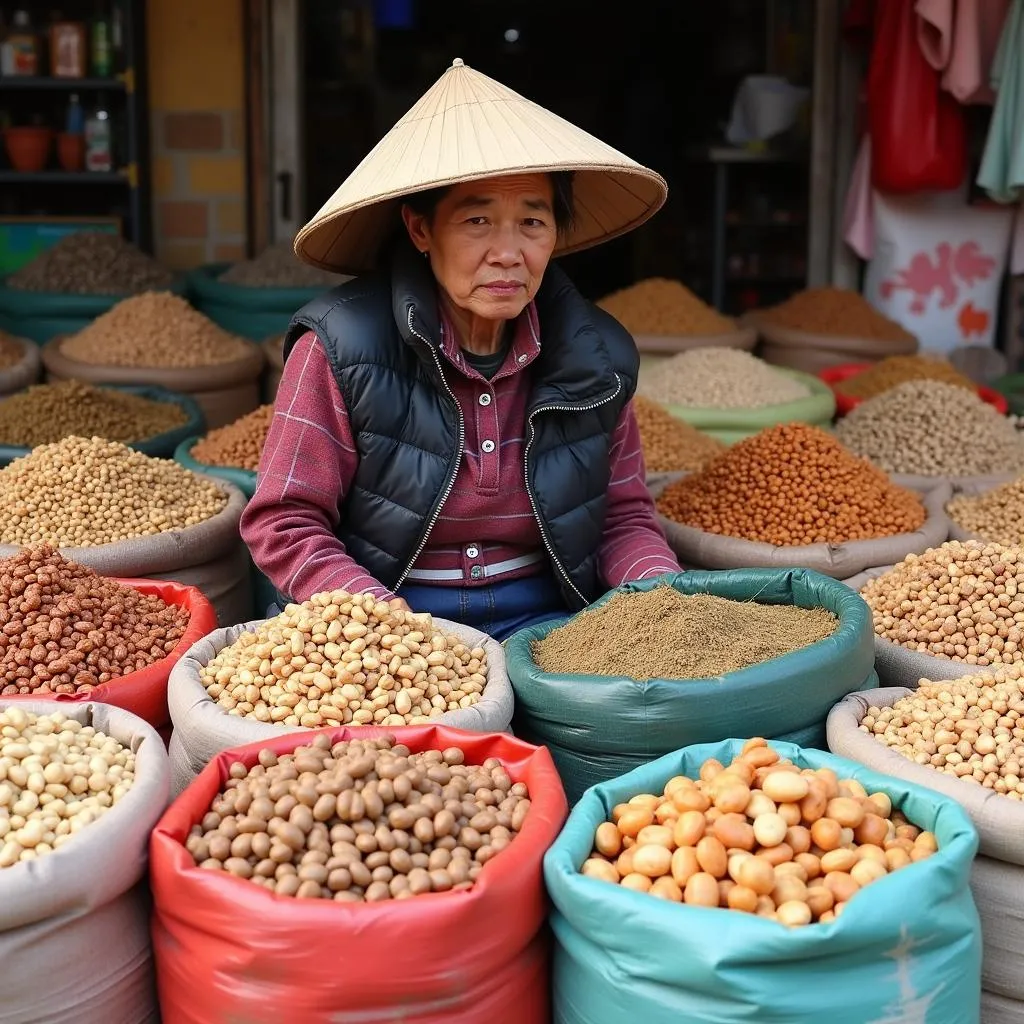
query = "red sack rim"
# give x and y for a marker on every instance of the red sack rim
(834, 375)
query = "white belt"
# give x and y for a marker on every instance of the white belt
(439, 575)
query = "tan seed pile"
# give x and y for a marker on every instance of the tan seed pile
(278, 267)
(662, 634)
(156, 329)
(340, 659)
(971, 728)
(963, 602)
(662, 306)
(11, 353)
(238, 445)
(48, 412)
(361, 821)
(84, 493)
(671, 444)
(996, 515)
(720, 378)
(929, 428)
(834, 311)
(896, 370)
(57, 777)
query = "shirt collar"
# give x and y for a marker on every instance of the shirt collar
(523, 350)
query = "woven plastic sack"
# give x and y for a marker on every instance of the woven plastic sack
(998, 890)
(74, 925)
(704, 550)
(23, 373)
(907, 948)
(960, 484)
(243, 479)
(202, 728)
(1000, 1010)
(598, 727)
(228, 950)
(273, 349)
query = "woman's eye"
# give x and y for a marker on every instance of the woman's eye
(476, 220)
(533, 222)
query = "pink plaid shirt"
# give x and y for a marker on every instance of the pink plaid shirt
(487, 531)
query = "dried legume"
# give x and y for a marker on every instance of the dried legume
(834, 311)
(11, 353)
(239, 444)
(896, 370)
(996, 515)
(278, 267)
(671, 444)
(662, 306)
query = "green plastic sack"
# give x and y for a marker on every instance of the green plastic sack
(254, 313)
(161, 446)
(1011, 387)
(906, 949)
(243, 479)
(41, 316)
(732, 425)
(599, 727)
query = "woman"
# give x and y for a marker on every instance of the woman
(453, 429)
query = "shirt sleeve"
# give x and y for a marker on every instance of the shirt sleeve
(633, 546)
(308, 463)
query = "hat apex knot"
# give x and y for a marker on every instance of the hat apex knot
(458, 63)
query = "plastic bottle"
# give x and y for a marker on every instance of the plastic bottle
(99, 140)
(24, 46)
(102, 60)
(75, 124)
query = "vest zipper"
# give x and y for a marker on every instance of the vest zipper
(526, 476)
(453, 472)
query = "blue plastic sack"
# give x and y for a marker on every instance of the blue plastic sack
(906, 950)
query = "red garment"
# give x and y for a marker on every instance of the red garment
(310, 458)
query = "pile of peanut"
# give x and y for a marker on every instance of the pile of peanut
(238, 445)
(662, 306)
(11, 353)
(997, 515)
(156, 329)
(671, 444)
(896, 370)
(278, 267)
(340, 659)
(833, 311)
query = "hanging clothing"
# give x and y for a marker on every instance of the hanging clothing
(1002, 165)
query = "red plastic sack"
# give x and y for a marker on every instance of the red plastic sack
(228, 950)
(145, 693)
(918, 136)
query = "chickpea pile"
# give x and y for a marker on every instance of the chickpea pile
(659, 305)
(155, 329)
(11, 352)
(66, 629)
(895, 370)
(671, 445)
(239, 444)
(84, 493)
(962, 602)
(760, 836)
(57, 776)
(835, 311)
(340, 658)
(997, 515)
(971, 728)
(361, 821)
(789, 485)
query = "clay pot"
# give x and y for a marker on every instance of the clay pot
(71, 151)
(28, 149)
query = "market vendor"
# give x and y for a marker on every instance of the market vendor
(454, 428)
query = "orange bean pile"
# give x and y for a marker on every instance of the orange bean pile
(789, 485)
(835, 311)
(896, 370)
(661, 306)
(238, 445)
(671, 445)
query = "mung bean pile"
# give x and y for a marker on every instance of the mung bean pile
(340, 658)
(662, 306)
(895, 370)
(238, 444)
(662, 634)
(833, 311)
(789, 485)
(962, 602)
(970, 728)
(361, 821)
(92, 263)
(157, 329)
(11, 353)
(671, 444)
(278, 267)
(720, 378)
(996, 515)
(66, 629)
(48, 412)
(57, 777)
(83, 492)
(929, 428)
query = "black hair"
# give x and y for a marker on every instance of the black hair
(425, 203)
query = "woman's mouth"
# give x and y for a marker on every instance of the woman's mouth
(503, 288)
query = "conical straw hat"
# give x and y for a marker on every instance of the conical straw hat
(468, 126)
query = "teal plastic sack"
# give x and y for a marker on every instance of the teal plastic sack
(161, 446)
(906, 950)
(598, 727)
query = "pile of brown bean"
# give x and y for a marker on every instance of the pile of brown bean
(92, 263)
(663, 634)
(662, 306)
(340, 658)
(11, 353)
(997, 515)
(670, 444)
(789, 485)
(48, 412)
(896, 370)
(361, 821)
(66, 629)
(963, 602)
(834, 311)
(84, 493)
(971, 728)
(761, 836)
(57, 777)
(156, 329)
(239, 444)
(278, 267)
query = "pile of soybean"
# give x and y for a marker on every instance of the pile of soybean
(278, 267)
(663, 634)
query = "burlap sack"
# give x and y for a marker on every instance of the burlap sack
(999, 1010)
(273, 348)
(958, 483)
(788, 346)
(998, 890)
(202, 728)
(23, 373)
(982, 485)
(209, 556)
(74, 925)
(712, 551)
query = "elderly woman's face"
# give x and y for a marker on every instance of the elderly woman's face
(489, 242)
